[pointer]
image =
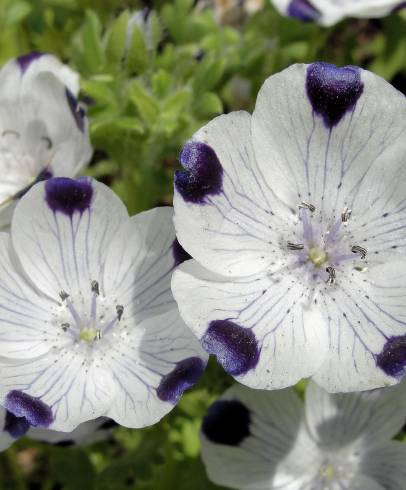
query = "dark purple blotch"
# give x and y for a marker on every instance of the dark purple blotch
(179, 253)
(399, 7)
(35, 411)
(392, 359)
(15, 426)
(185, 374)
(25, 61)
(43, 175)
(333, 91)
(68, 196)
(235, 347)
(227, 422)
(77, 110)
(202, 175)
(303, 10)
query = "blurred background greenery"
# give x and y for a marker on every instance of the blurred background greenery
(149, 82)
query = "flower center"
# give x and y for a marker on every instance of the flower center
(317, 256)
(89, 319)
(322, 255)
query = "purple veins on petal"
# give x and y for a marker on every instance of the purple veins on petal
(227, 422)
(35, 411)
(392, 359)
(25, 61)
(303, 10)
(235, 347)
(179, 253)
(333, 91)
(202, 175)
(15, 426)
(78, 112)
(185, 374)
(68, 196)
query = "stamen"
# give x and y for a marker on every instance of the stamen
(356, 249)
(98, 335)
(295, 246)
(65, 326)
(331, 275)
(307, 205)
(120, 311)
(359, 268)
(346, 215)
(63, 295)
(95, 288)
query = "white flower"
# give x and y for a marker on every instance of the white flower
(89, 326)
(12, 428)
(296, 219)
(43, 129)
(329, 12)
(259, 440)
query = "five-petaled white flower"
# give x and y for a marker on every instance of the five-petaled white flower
(12, 428)
(296, 219)
(43, 129)
(270, 440)
(88, 323)
(329, 12)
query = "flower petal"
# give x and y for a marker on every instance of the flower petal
(362, 419)
(153, 363)
(257, 440)
(73, 387)
(348, 129)
(261, 330)
(366, 314)
(61, 232)
(224, 209)
(386, 465)
(27, 329)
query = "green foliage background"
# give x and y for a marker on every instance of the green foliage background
(145, 100)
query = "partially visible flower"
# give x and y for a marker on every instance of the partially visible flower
(43, 128)
(260, 440)
(89, 326)
(329, 12)
(232, 12)
(12, 428)
(296, 220)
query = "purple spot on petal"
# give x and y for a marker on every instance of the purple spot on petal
(77, 110)
(235, 347)
(43, 175)
(15, 426)
(303, 10)
(36, 412)
(227, 422)
(183, 376)
(179, 253)
(392, 359)
(333, 91)
(68, 195)
(25, 61)
(202, 175)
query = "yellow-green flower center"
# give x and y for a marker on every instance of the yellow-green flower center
(88, 334)
(317, 256)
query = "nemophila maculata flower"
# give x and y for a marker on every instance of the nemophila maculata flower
(88, 323)
(329, 12)
(13, 428)
(43, 128)
(261, 440)
(296, 220)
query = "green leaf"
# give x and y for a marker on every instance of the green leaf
(93, 53)
(209, 104)
(116, 41)
(137, 56)
(72, 468)
(16, 12)
(146, 106)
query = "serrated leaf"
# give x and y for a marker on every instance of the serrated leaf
(146, 105)
(137, 56)
(209, 104)
(93, 53)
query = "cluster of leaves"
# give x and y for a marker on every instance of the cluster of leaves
(148, 86)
